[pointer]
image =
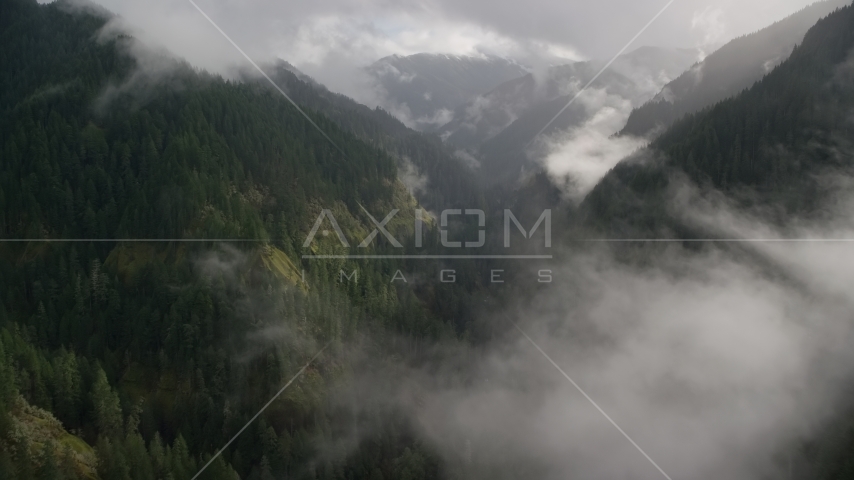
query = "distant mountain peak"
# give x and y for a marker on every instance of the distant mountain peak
(499, 124)
(425, 88)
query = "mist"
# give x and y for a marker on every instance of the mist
(580, 157)
(718, 361)
(334, 40)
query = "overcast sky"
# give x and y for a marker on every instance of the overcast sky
(327, 38)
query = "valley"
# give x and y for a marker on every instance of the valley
(528, 264)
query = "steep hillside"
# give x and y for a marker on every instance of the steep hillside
(774, 139)
(780, 152)
(430, 171)
(488, 115)
(633, 76)
(726, 72)
(151, 354)
(497, 127)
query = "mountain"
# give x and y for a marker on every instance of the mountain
(131, 346)
(498, 126)
(425, 89)
(779, 153)
(155, 291)
(767, 146)
(430, 171)
(287, 66)
(726, 72)
(633, 76)
(489, 114)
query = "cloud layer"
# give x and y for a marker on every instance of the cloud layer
(718, 362)
(329, 39)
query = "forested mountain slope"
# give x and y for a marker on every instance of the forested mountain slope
(773, 138)
(769, 151)
(447, 182)
(497, 127)
(137, 359)
(727, 71)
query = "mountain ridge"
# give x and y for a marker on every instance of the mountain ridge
(727, 71)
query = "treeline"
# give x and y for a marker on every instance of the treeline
(727, 71)
(773, 139)
(449, 183)
(155, 391)
(126, 360)
(767, 147)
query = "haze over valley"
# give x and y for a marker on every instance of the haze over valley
(426, 240)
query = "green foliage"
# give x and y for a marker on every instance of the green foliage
(727, 71)
(774, 138)
(766, 146)
(105, 403)
(156, 353)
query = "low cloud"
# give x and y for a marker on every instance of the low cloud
(331, 41)
(710, 23)
(717, 361)
(154, 67)
(408, 173)
(260, 312)
(585, 154)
